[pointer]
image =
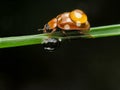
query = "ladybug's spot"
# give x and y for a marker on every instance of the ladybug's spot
(68, 20)
(78, 23)
(66, 15)
(87, 23)
(66, 26)
(78, 15)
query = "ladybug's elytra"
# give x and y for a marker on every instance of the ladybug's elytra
(74, 20)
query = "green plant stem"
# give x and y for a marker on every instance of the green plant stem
(22, 40)
(105, 31)
(95, 32)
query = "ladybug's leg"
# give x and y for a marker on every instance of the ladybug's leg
(85, 32)
(64, 33)
(44, 29)
(53, 30)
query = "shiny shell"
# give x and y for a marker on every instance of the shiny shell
(78, 16)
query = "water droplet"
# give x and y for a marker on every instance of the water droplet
(51, 44)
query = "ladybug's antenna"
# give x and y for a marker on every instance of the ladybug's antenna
(40, 29)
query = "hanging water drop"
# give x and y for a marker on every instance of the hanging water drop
(51, 44)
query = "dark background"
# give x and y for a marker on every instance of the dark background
(80, 64)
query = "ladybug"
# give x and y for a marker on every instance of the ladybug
(74, 20)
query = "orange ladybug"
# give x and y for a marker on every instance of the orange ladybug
(74, 20)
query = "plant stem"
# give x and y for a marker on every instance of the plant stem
(95, 32)
(105, 31)
(22, 40)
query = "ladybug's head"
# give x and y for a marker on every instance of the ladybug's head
(52, 24)
(47, 27)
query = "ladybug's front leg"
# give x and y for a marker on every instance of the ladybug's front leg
(50, 34)
(53, 30)
(44, 29)
(64, 33)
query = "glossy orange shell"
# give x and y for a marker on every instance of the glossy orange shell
(65, 22)
(78, 16)
(52, 23)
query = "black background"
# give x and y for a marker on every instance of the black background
(80, 64)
